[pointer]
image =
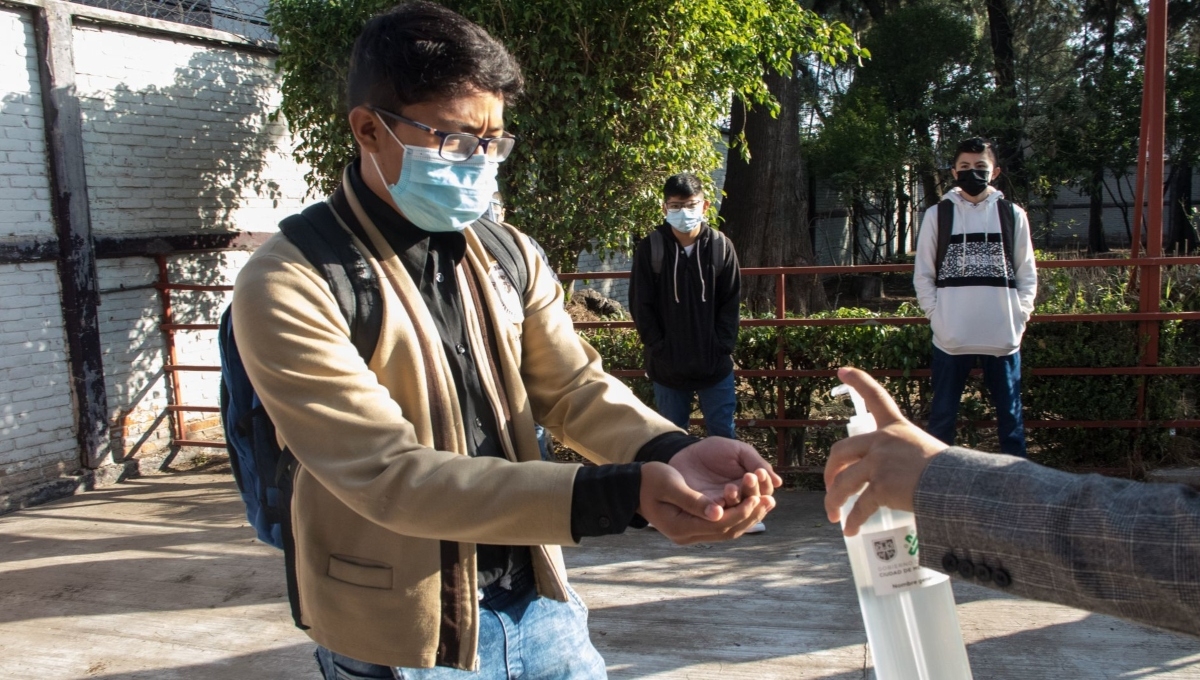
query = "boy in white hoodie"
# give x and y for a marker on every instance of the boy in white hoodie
(976, 280)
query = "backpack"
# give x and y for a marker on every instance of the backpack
(658, 245)
(945, 216)
(262, 470)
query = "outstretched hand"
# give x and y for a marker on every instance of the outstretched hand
(726, 471)
(888, 461)
(686, 515)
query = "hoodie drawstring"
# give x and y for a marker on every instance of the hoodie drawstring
(675, 274)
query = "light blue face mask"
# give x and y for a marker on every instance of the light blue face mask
(685, 219)
(440, 195)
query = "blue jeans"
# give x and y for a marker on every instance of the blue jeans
(543, 437)
(521, 636)
(717, 403)
(1001, 376)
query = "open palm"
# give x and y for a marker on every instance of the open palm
(725, 470)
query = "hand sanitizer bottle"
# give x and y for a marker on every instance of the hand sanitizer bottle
(908, 610)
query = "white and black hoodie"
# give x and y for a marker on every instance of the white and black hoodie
(978, 304)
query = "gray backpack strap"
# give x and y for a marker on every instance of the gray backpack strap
(656, 251)
(719, 247)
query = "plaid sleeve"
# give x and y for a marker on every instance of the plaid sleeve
(1112, 546)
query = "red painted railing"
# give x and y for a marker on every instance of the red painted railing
(1147, 366)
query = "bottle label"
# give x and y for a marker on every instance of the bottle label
(893, 558)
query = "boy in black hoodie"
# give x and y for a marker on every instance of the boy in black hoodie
(684, 296)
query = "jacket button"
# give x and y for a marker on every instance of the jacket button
(438, 277)
(460, 348)
(983, 573)
(1002, 578)
(949, 563)
(604, 522)
(479, 423)
(966, 568)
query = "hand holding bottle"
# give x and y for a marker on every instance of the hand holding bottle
(908, 610)
(889, 460)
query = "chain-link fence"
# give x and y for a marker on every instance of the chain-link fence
(246, 18)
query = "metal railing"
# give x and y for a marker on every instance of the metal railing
(177, 409)
(1147, 366)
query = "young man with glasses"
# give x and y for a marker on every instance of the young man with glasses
(684, 295)
(426, 527)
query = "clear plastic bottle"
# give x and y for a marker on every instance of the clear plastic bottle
(908, 610)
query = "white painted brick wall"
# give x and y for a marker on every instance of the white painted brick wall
(24, 187)
(176, 140)
(177, 136)
(37, 439)
(133, 356)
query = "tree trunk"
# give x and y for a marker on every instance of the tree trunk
(926, 170)
(1004, 69)
(765, 210)
(902, 201)
(1096, 241)
(1181, 233)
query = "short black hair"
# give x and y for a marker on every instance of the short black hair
(420, 51)
(975, 145)
(683, 185)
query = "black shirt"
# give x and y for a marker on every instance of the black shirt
(605, 497)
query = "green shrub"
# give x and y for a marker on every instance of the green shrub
(906, 348)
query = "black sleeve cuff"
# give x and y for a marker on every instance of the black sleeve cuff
(663, 447)
(605, 499)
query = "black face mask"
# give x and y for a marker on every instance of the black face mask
(973, 182)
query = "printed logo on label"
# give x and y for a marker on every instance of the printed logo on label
(885, 549)
(894, 563)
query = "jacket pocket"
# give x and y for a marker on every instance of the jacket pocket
(360, 572)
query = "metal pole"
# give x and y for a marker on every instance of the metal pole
(782, 455)
(177, 417)
(1154, 124)
(1156, 57)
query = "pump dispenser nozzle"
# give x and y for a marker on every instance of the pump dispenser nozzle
(861, 422)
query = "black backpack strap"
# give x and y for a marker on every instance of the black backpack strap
(656, 251)
(1008, 225)
(287, 472)
(945, 217)
(501, 243)
(330, 248)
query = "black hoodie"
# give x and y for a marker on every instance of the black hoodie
(686, 316)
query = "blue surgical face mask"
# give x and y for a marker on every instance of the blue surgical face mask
(440, 195)
(685, 219)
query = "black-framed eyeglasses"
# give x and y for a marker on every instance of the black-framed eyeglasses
(460, 146)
